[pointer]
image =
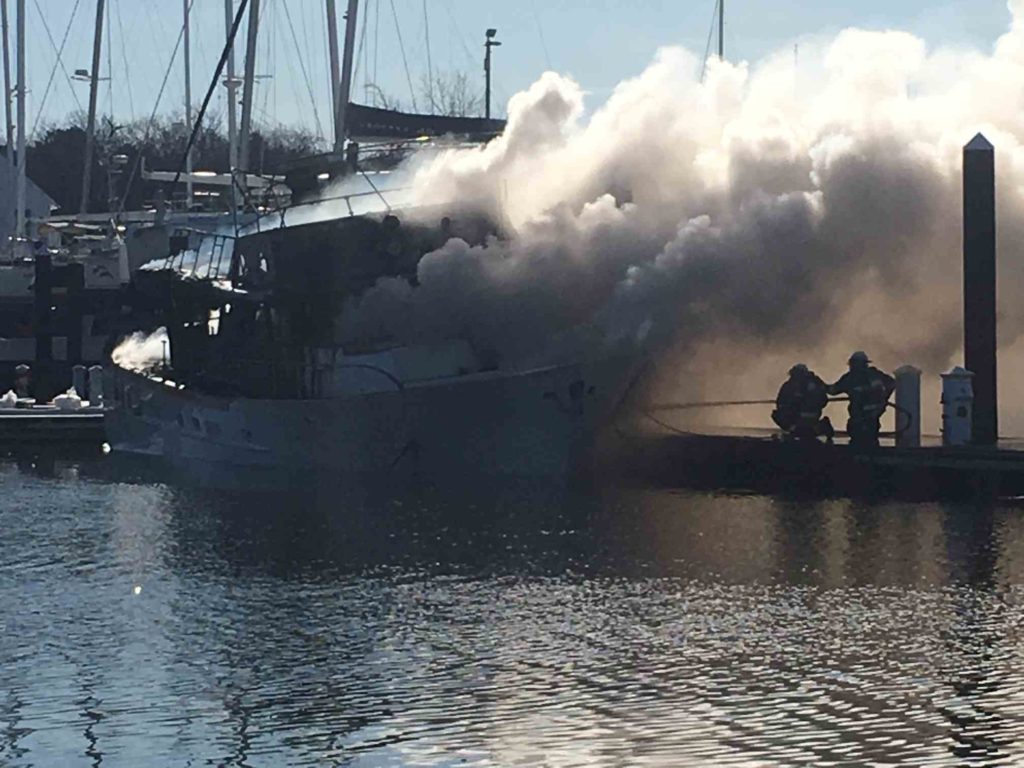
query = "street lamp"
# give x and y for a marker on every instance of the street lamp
(489, 43)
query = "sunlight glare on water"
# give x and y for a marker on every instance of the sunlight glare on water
(155, 624)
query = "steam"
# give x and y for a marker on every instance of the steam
(774, 212)
(142, 352)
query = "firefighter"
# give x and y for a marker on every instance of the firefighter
(868, 389)
(799, 404)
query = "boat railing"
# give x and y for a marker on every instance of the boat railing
(204, 261)
(346, 199)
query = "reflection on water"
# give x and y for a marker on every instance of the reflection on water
(148, 623)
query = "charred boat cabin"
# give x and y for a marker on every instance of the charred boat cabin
(265, 326)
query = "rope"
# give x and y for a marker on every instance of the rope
(405, 61)
(305, 74)
(709, 404)
(58, 63)
(707, 48)
(209, 92)
(152, 117)
(430, 61)
(648, 413)
(124, 61)
(362, 50)
(540, 33)
(376, 50)
(110, 63)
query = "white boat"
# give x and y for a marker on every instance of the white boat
(259, 370)
(535, 422)
(257, 374)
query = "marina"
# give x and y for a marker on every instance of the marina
(375, 392)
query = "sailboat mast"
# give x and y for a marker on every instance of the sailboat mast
(229, 15)
(90, 128)
(188, 107)
(332, 42)
(20, 194)
(345, 86)
(721, 29)
(7, 83)
(247, 86)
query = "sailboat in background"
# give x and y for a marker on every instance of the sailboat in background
(65, 279)
(60, 281)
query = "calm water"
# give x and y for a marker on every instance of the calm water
(159, 624)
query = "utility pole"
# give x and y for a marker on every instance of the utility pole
(249, 80)
(489, 43)
(345, 86)
(721, 29)
(20, 194)
(188, 106)
(332, 44)
(231, 84)
(90, 128)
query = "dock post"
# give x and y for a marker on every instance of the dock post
(42, 322)
(78, 380)
(75, 285)
(979, 210)
(96, 385)
(908, 407)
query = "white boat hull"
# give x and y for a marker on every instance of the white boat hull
(530, 423)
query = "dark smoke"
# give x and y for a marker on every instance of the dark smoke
(774, 213)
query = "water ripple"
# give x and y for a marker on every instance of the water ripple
(149, 624)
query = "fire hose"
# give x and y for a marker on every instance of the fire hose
(731, 403)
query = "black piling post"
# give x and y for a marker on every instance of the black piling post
(75, 286)
(43, 324)
(980, 285)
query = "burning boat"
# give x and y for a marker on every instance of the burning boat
(256, 374)
(260, 370)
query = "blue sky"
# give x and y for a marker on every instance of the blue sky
(599, 42)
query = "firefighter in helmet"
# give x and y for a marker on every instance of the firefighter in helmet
(799, 405)
(868, 389)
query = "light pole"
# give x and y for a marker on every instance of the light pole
(489, 43)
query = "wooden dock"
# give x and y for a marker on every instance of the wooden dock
(759, 461)
(48, 425)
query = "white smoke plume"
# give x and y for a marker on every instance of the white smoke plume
(770, 213)
(142, 352)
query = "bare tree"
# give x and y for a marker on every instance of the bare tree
(451, 94)
(382, 99)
